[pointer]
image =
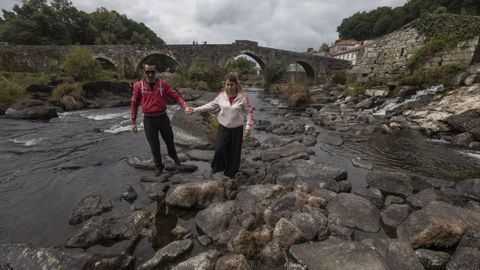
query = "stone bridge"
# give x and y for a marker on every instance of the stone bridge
(127, 58)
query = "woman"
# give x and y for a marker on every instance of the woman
(234, 106)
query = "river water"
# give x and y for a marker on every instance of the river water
(47, 167)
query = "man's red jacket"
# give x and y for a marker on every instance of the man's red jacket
(154, 101)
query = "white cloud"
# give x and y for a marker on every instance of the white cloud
(283, 24)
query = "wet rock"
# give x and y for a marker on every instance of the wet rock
(334, 254)
(258, 197)
(250, 143)
(354, 212)
(285, 233)
(311, 169)
(287, 180)
(391, 199)
(474, 146)
(3, 108)
(365, 104)
(192, 130)
(215, 219)
(129, 195)
(468, 121)
(98, 230)
(462, 139)
(439, 224)
(169, 253)
(233, 262)
(203, 261)
(306, 223)
(324, 194)
(277, 141)
(272, 254)
(140, 162)
(454, 196)
(471, 187)
(422, 182)
(32, 109)
(338, 186)
(309, 140)
(204, 240)
(422, 198)
(20, 256)
(431, 259)
(289, 202)
(285, 151)
(91, 205)
(473, 206)
(180, 231)
(155, 191)
(467, 254)
(358, 162)
(397, 254)
(394, 214)
(372, 194)
(203, 155)
(248, 221)
(340, 231)
(391, 182)
(197, 195)
(243, 243)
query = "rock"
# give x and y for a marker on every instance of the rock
(168, 253)
(32, 109)
(233, 262)
(309, 140)
(141, 162)
(107, 94)
(390, 199)
(242, 243)
(258, 197)
(394, 214)
(3, 108)
(272, 254)
(439, 224)
(215, 219)
(422, 198)
(355, 212)
(472, 79)
(109, 228)
(358, 162)
(285, 151)
(454, 196)
(285, 233)
(365, 104)
(179, 231)
(462, 139)
(340, 232)
(474, 146)
(391, 182)
(203, 155)
(467, 254)
(377, 92)
(474, 69)
(197, 195)
(262, 235)
(473, 206)
(156, 191)
(129, 195)
(89, 206)
(468, 121)
(334, 254)
(204, 240)
(372, 194)
(203, 261)
(397, 254)
(306, 223)
(287, 180)
(20, 256)
(308, 170)
(196, 130)
(431, 259)
(471, 187)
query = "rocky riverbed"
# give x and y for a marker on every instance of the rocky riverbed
(332, 187)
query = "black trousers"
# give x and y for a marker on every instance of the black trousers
(154, 124)
(228, 149)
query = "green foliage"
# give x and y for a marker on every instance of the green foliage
(11, 92)
(200, 85)
(427, 77)
(353, 87)
(203, 70)
(38, 22)
(68, 89)
(241, 66)
(295, 94)
(274, 73)
(324, 48)
(80, 64)
(384, 20)
(339, 77)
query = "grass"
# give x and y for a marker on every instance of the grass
(295, 94)
(68, 89)
(11, 92)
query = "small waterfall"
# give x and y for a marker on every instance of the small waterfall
(393, 103)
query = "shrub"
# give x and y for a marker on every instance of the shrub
(339, 77)
(202, 70)
(200, 85)
(80, 64)
(274, 73)
(295, 94)
(11, 92)
(441, 75)
(68, 89)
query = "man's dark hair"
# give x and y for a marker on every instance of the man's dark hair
(150, 64)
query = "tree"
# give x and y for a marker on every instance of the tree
(242, 66)
(80, 64)
(274, 73)
(324, 48)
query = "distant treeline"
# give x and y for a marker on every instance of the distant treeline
(384, 20)
(37, 22)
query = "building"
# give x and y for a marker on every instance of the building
(346, 50)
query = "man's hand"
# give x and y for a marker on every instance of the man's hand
(134, 128)
(247, 132)
(188, 110)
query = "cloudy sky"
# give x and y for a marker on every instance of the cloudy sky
(283, 24)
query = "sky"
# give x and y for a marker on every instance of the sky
(293, 25)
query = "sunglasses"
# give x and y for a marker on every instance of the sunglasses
(150, 72)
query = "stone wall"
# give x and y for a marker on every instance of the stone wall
(386, 58)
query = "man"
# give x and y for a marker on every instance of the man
(152, 94)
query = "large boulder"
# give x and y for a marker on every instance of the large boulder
(198, 195)
(216, 218)
(32, 109)
(396, 183)
(471, 187)
(19, 256)
(89, 206)
(203, 261)
(467, 254)
(468, 121)
(284, 151)
(258, 197)
(354, 212)
(397, 254)
(439, 224)
(170, 252)
(394, 214)
(107, 94)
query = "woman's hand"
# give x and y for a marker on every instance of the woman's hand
(188, 110)
(247, 132)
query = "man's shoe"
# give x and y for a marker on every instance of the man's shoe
(158, 171)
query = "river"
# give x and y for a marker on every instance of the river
(47, 167)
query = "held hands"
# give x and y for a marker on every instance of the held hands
(134, 128)
(188, 110)
(247, 132)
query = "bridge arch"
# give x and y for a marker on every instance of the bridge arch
(163, 62)
(309, 71)
(106, 63)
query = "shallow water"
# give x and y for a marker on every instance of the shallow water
(47, 167)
